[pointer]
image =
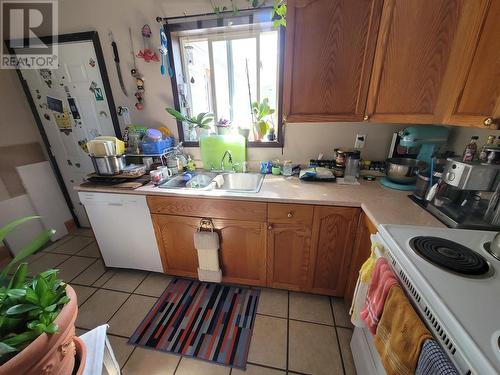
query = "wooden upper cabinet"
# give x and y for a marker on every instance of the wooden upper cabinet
(412, 56)
(329, 50)
(474, 77)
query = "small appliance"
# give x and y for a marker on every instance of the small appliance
(427, 139)
(467, 195)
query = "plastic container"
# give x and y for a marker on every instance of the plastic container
(150, 148)
(352, 166)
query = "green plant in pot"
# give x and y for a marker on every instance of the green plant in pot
(200, 123)
(36, 315)
(262, 114)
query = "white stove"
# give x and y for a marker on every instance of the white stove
(463, 312)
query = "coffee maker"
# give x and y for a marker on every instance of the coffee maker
(467, 195)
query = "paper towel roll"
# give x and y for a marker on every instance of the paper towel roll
(207, 246)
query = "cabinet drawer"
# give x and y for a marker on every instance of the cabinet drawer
(290, 213)
(212, 208)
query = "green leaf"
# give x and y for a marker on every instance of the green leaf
(20, 309)
(5, 348)
(177, 115)
(21, 338)
(43, 292)
(52, 328)
(19, 277)
(31, 296)
(16, 293)
(31, 248)
(9, 227)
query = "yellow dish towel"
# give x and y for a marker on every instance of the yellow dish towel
(364, 278)
(400, 334)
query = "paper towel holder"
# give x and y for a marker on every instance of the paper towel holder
(206, 224)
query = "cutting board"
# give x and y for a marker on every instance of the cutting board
(212, 148)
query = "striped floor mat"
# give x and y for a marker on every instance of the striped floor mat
(211, 322)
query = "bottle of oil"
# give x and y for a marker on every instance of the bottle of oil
(470, 150)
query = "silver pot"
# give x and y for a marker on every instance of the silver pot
(108, 165)
(403, 170)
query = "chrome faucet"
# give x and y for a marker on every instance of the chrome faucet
(229, 159)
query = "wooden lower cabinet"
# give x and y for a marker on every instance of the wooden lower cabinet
(289, 256)
(242, 252)
(299, 247)
(332, 243)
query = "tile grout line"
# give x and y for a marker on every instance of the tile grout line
(337, 336)
(178, 364)
(126, 299)
(287, 331)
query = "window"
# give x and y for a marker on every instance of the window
(225, 70)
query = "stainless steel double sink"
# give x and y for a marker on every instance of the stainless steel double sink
(233, 182)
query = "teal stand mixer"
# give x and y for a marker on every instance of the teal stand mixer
(402, 172)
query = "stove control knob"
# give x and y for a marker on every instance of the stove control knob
(450, 176)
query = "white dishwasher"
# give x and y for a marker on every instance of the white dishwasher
(123, 229)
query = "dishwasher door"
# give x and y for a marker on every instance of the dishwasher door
(123, 229)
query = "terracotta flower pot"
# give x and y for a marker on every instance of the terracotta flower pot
(49, 354)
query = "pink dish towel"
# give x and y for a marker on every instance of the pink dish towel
(382, 281)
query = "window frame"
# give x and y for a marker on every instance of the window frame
(280, 141)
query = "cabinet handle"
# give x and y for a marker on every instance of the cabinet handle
(366, 117)
(270, 227)
(290, 214)
(488, 121)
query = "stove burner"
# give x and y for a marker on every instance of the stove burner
(450, 255)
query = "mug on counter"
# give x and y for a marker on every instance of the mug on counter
(166, 172)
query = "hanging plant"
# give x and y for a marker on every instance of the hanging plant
(278, 12)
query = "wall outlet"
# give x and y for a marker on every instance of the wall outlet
(360, 141)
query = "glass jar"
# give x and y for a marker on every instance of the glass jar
(351, 166)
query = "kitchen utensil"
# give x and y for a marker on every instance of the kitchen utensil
(117, 63)
(493, 247)
(101, 148)
(108, 165)
(403, 170)
(164, 55)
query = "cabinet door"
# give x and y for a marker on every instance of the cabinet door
(360, 253)
(329, 51)
(334, 233)
(289, 256)
(412, 55)
(242, 252)
(475, 76)
(174, 235)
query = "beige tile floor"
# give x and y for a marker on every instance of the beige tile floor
(294, 333)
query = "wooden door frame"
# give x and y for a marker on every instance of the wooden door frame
(92, 36)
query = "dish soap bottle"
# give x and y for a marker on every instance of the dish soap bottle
(470, 150)
(191, 166)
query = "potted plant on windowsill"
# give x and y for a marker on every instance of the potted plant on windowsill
(223, 126)
(262, 114)
(37, 317)
(200, 123)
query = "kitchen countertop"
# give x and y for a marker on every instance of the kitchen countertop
(381, 205)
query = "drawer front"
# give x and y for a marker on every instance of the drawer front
(290, 213)
(211, 208)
